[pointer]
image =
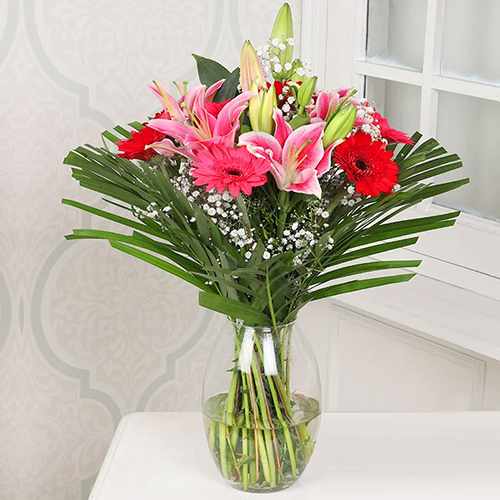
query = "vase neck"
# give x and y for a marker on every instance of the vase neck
(261, 331)
(264, 347)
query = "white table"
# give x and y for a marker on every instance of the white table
(159, 456)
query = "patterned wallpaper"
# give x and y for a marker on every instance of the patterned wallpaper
(86, 337)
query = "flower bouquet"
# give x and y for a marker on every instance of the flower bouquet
(266, 193)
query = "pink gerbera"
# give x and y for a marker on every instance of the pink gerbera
(228, 169)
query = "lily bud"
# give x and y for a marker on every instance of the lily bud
(306, 91)
(340, 125)
(261, 108)
(299, 121)
(266, 122)
(283, 31)
(250, 69)
(254, 108)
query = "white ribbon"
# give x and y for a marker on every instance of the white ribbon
(246, 352)
(270, 367)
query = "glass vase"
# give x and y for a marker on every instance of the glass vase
(261, 405)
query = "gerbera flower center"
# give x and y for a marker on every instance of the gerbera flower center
(362, 165)
(232, 170)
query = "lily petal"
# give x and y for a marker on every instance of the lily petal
(167, 148)
(308, 183)
(168, 101)
(303, 149)
(212, 90)
(322, 105)
(174, 129)
(228, 120)
(326, 162)
(261, 143)
(283, 128)
(193, 95)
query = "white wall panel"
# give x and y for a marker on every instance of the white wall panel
(382, 368)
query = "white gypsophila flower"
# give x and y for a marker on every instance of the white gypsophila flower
(266, 255)
(290, 42)
(286, 108)
(278, 67)
(282, 46)
(275, 42)
(248, 255)
(351, 189)
(288, 66)
(301, 71)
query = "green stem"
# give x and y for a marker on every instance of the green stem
(212, 431)
(270, 300)
(266, 419)
(222, 450)
(277, 407)
(263, 456)
(283, 204)
(231, 398)
(245, 453)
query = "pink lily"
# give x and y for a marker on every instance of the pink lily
(324, 106)
(196, 120)
(297, 157)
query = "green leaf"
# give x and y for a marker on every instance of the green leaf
(161, 264)
(406, 149)
(432, 173)
(139, 240)
(367, 267)
(386, 233)
(110, 137)
(229, 89)
(114, 218)
(232, 308)
(210, 71)
(430, 191)
(123, 131)
(136, 125)
(355, 285)
(372, 250)
(427, 164)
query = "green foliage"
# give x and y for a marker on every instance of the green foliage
(189, 245)
(210, 71)
(229, 88)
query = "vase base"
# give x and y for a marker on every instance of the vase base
(264, 489)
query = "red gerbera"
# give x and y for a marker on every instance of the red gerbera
(367, 164)
(214, 108)
(228, 169)
(134, 148)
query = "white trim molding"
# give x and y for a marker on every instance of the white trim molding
(461, 268)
